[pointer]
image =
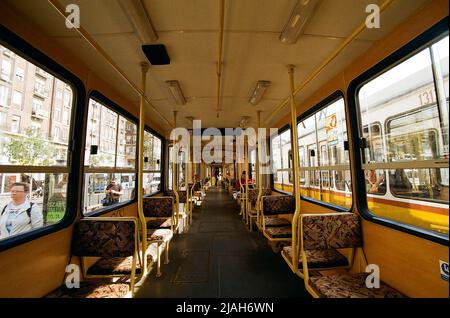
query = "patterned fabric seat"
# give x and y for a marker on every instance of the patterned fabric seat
(350, 286)
(118, 265)
(279, 232)
(278, 204)
(91, 289)
(275, 221)
(159, 224)
(318, 258)
(164, 235)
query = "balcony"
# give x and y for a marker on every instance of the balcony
(39, 113)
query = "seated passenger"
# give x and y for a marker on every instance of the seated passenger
(20, 215)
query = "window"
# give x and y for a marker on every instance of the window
(404, 122)
(6, 69)
(24, 144)
(281, 161)
(3, 118)
(152, 162)
(15, 124)
(110, 164)
(20, 73)
(39, 86)
(4, 96)
(325, 167)
(56, 133)
(17, 98)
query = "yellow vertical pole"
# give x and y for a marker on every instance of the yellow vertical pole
(175, 174)
(246, 178)
(259, 175)
(144, 68)
(294, 138)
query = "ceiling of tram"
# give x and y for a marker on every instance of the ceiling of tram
(252, 50)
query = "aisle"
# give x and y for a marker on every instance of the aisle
(219, 257)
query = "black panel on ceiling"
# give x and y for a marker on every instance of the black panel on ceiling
(156, 54)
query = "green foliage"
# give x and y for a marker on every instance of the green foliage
(31, 150)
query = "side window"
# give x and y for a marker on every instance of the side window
(33, 191)
(110, 158)
(152, 163)
(327, 167)
(282, 161)
(404, 122)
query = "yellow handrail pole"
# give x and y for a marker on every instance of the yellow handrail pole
(144, 68)
(327, 61)
(259, 175)
(90, 40)
(295, 170)
(246, 178)
(175, 173)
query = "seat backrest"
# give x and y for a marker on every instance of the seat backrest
(104, 238)
(181, 195)
(161, 207)
(278, 204)
(331, 231)
(253, 194)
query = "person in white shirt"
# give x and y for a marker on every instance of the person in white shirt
(19, 215)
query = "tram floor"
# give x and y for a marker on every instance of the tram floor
(219, 258)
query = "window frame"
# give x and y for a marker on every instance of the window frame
(310, 112)
(75, 146)
(424, 40)
(105, 101)
(272, 180)
(162, 161)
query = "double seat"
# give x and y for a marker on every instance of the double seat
(321, 238)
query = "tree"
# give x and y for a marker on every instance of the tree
(31, 150)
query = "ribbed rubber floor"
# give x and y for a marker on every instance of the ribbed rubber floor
(219, 257)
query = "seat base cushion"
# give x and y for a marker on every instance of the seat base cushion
(159, 224)
(159, 235)
(117, 265)
(91, 289)
(279, 232)
(350, 286)
(318, 258)
(275, 221)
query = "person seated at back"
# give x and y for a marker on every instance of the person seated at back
(20, 215)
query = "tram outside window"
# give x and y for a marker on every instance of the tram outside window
(152, 163)
(406, 109)
(328, 167)
(281, 148)
(33, 193)
(110, 158)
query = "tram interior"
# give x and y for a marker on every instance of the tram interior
(224, 148)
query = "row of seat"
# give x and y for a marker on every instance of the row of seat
(326, 244)
(118, 245)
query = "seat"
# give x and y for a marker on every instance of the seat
(180, 210)
(319, 259)
(111, 239)
(350, 286)
(160, 210)
(254, 205)
(92, 289)
(325, 232)
(272, 206)
(272, 221)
